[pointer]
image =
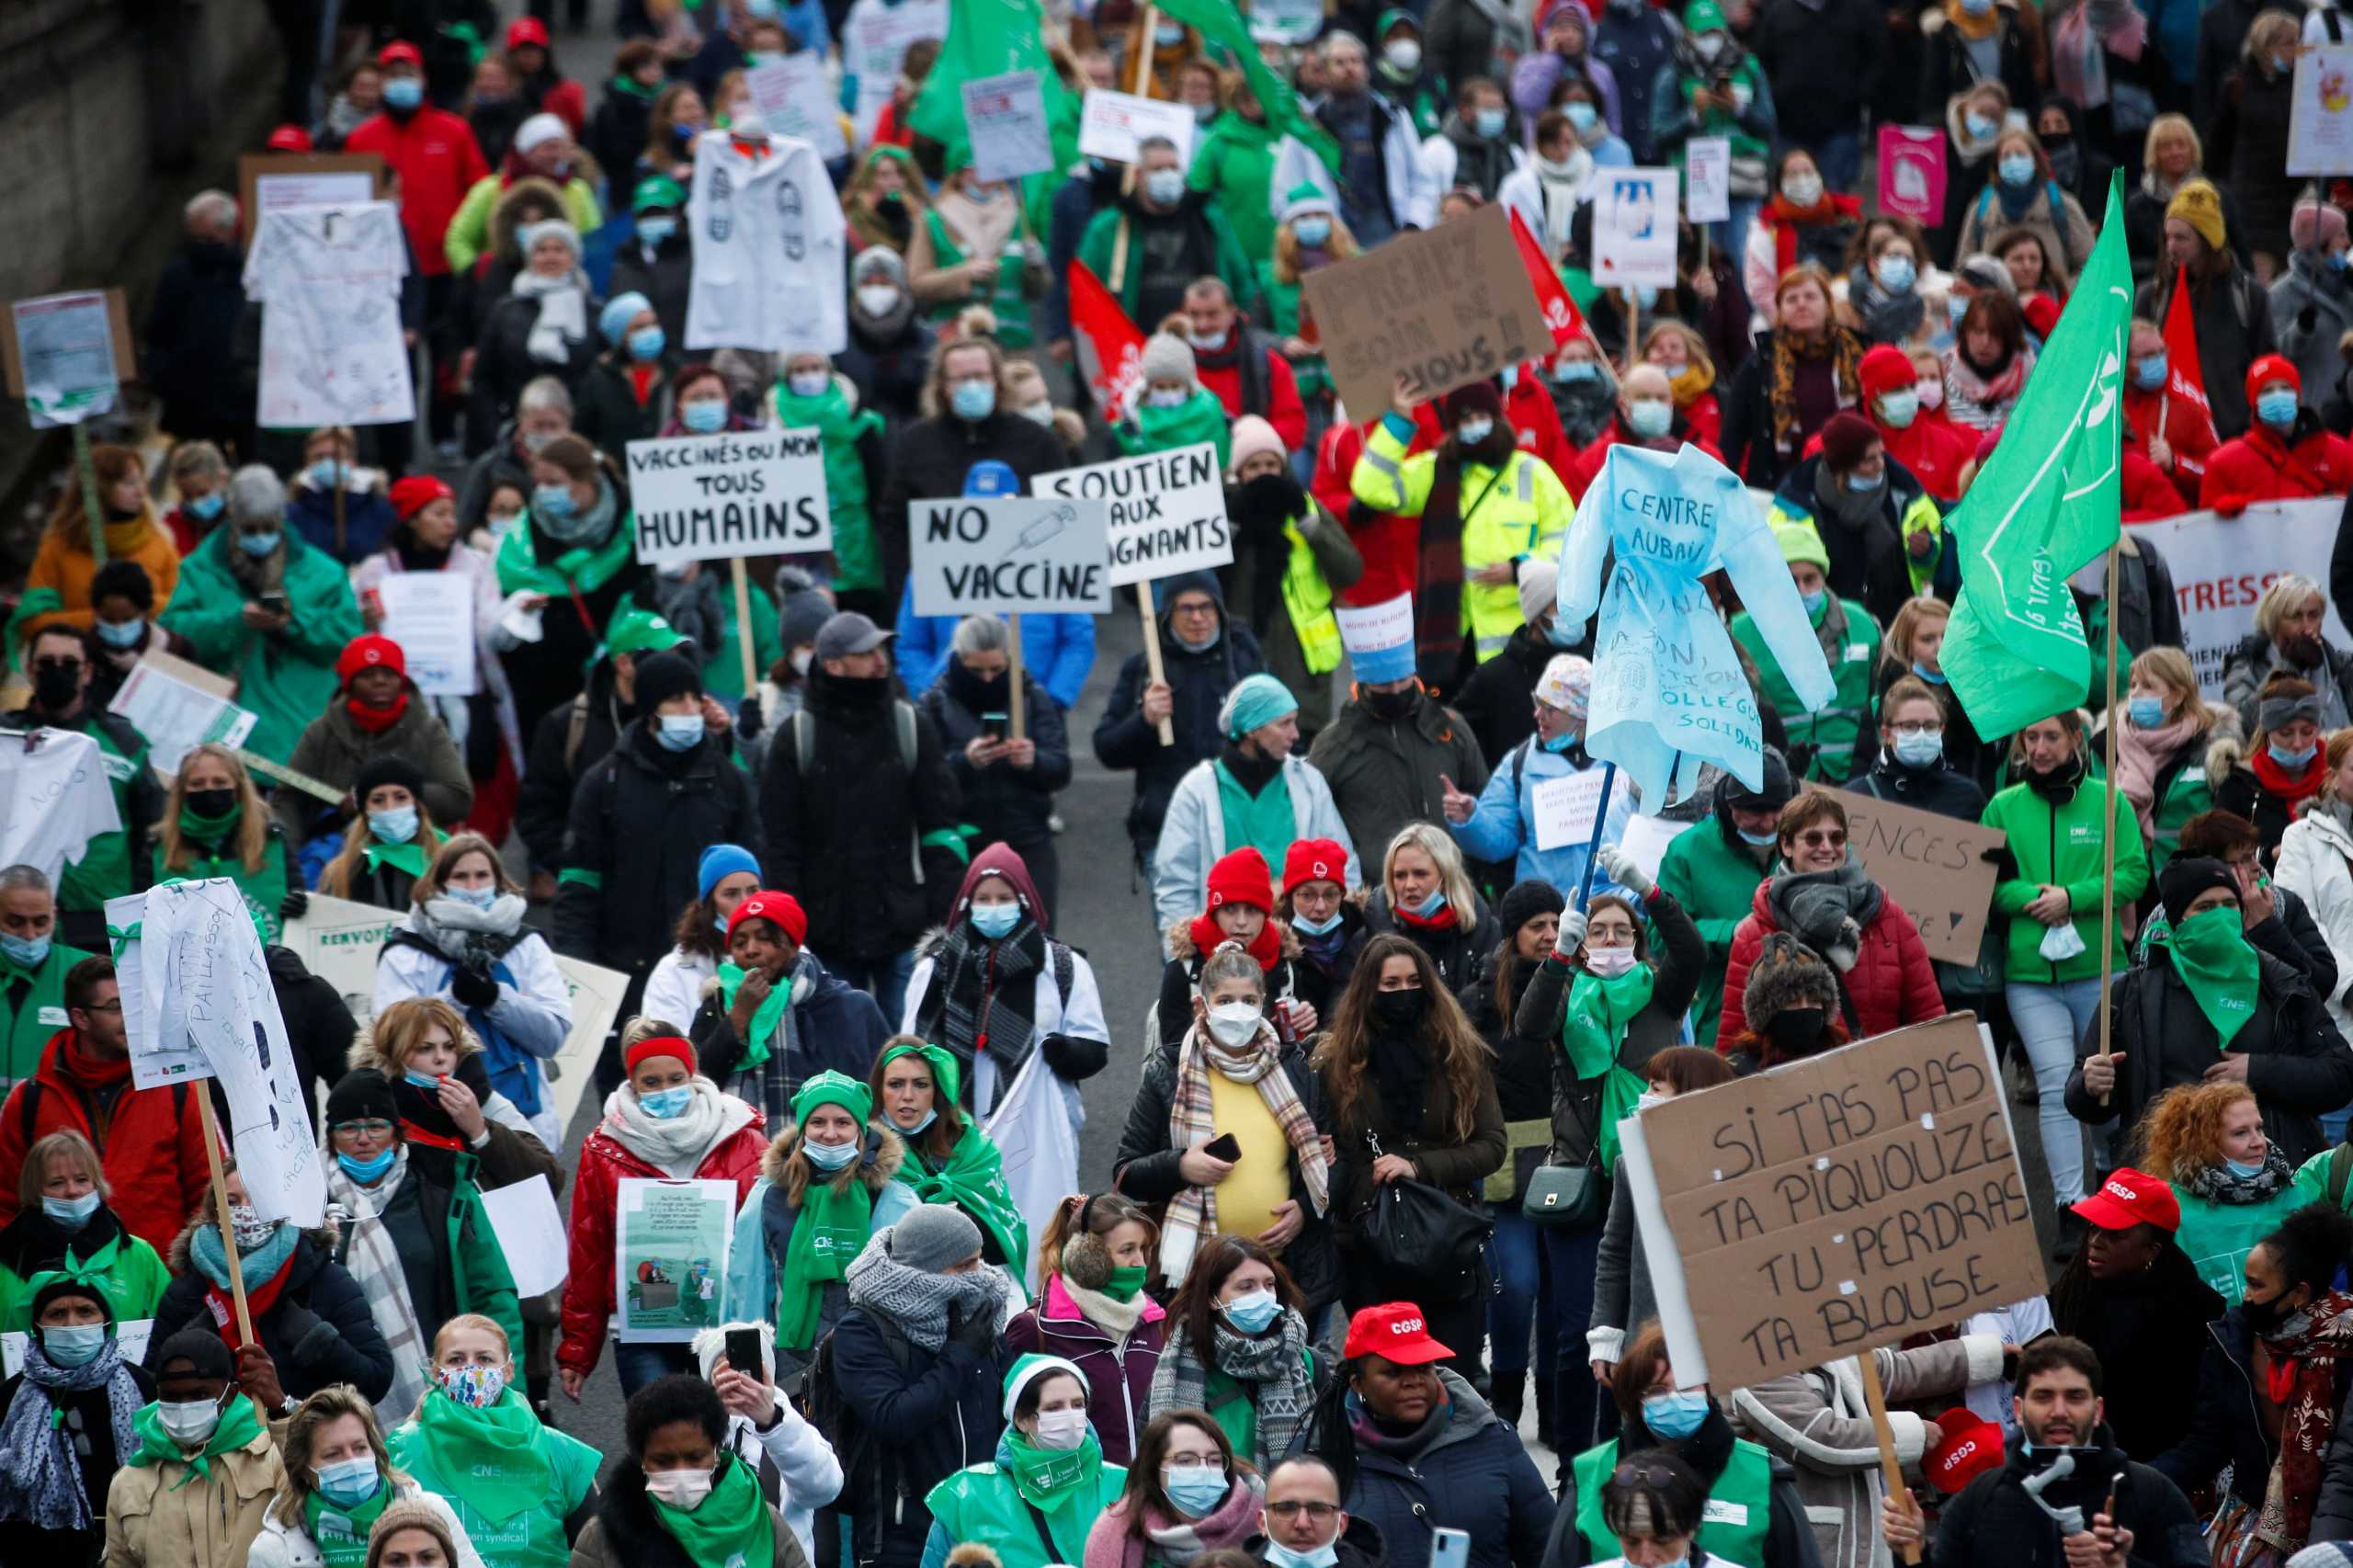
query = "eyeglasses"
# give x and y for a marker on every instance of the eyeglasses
(1918, 727)
(1317, 1511)
(115, 1006)
(1637, 1473)
(1204, 607)
(1833, 839)
(367, 1129)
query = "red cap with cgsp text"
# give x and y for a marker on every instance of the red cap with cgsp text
(2132, 1197)
(1394, 1331)
(1971, 1446)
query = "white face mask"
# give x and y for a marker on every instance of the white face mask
(682, 1489)
(1060, 1429)
(190, 1423)
(877, 299)
(1234, 1024)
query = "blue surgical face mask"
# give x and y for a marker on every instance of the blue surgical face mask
(1755, 840)
(1576, 370)
(481, 898)
(405, 92)
(1558, 635)
(1934, 677)
(1898, 409)
(2150, 374)
(680, 732)
(1979, 125)
(1253, 1311)
(204, 509)
(1491, 123)
(553, 501)
(1673, 1416)
(2146, 712)
(663, 1103)
(1322, 927)
(1312, 232)
(120, 633)
(1168, 35)
(1430, 906)
(1166, 187)
(829, 1156)
(654, 229)
(426, 1081)
(994, 920)
(2016, 168)
(1814, 600)
(647, 343)
(1582, 115)
(1919, 748)
(2243, 1172)
(257, 545)
(707, 417)
(1196, 1489)
(1561, 742)
(1956, 306)
(1276, 1555)
(973, 400)
(348, 1483)
(2295, 759)
(365, 1171)
(2277, 408)
(1894, 273)
(395, 827)
(25, 952)
(928, 1118)
(70, 1215)
(1650, 417)
(74, 1345)
(1471, 432)
(326, 474)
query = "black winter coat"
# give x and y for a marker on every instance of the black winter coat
(931, 458)
(2144, 230)
(834, 1027)
(2155, 1318)
(666, 280)
(319, 1026)
(641, 820)
(2298, 1064)
(887, 362)
(929, 1414)
(2226, 1427)
(615, 136)
(2220, 33)
(318, 1331)
(1995, 1520)
(1747, 445)
(2246, 145)
(191, 333)
(546, 675)
(543, 801)
(2233, 318)
(1004, 801)
(1941, 788)
(605, 407)
(1310, 983)
(843, 840)
(1145, 1166)
(1197, 684)
(1946, 67)
(1824, 65)
(502, 362)
(1499, 700)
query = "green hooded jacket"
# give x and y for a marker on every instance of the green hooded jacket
(856, 564)
(2061, 845)
(1715, 883)
(285, 678)
(1235, 165)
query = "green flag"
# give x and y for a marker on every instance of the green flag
(2046, 503)
(989, 38)
(1221, 24)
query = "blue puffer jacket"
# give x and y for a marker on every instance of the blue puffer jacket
(1057, 649)
(1474, 1476)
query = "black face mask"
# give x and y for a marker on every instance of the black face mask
(1391, 706)
(2265, 1317)
(211, 803)
(1396, 1013)
(1797, 1031)
(56, 686)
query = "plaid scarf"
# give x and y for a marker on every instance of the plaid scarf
(1835, 343)
(1192, 1214)
(41, 1482)
(2305, 1355)
(985, 1003)
(1273, 1365)
(366, 1249)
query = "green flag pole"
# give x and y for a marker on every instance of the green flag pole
(91, 512)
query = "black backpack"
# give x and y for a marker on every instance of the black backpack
(866, 1496)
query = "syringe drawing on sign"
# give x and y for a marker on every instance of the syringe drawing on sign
(1042, 530)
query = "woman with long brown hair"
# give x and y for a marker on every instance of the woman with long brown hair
(1187, 1494)
(391, 839)
(1094, 1255)
(1414, 1099)
(884, 200)
(1241, 1350)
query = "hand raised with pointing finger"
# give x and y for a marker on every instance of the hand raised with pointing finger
(1456, 805)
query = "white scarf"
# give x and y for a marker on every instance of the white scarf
(452, 924)
(563, 314)
(1564, 184)
(676, 1147)
(374, 1262)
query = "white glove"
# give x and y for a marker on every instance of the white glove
(1620, 869)
(1572, 935)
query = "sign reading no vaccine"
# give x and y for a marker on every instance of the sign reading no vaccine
(1010, 555)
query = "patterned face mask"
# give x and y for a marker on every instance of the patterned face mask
(476, 1388)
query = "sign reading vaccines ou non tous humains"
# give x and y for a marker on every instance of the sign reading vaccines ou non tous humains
(1166, 511)
(1010, 555)
(744, 492)
(1832, 1205)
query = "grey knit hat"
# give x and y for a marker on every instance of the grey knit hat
(1167, 358)
(802, 607)
(1786, 975)
(934, 1237)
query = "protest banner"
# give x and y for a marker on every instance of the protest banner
(1007, 555)
(1832, 1205)
(328, 280)
(1109, 349)
(1113, 125)
(68, 354)
(267, 181)
(1911, 172)
(1566, 808)
(1166, 511)
(1634, 228)
(1377, 639)
(56, 795)
(1707, 177)
(1936, 867)
(1030, 1125)
(179, 706)
(796, 100)
(1560, 314)
(874, 42)
(2222, 565)
(670, 1265)
(431, 616)
(1006, 119)
(2319, 112)
(1437, 307)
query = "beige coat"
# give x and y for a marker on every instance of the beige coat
(209, 1523)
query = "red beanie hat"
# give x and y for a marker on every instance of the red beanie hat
(1315, 860)
(1242, 877)
(1886, 368)
(2272, 367)
(288, 138)
(372, 649)
(415, 493)
(781, 908)
(659, 1045)
(1846, 439)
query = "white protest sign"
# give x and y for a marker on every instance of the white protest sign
(1167, 511)
(1566, 808)
(530, 1232)
(1006, 117)
(64, 351)
(333, 351)
(796, 100)
(178, 707)
(1010, 555)
(1111, 125)
(1378, 638)
(2221, 566)
(204, 985)
(874, 42)
(1645, 840)
(1286, 21)
(154, 1064)
(1706, 170)
(2319, 112)
(130, 1336)
(431, 616)
(1634, 228)
(745, 493)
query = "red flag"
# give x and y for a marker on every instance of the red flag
(1110, 350)
(1561, 312)
(2184, 419)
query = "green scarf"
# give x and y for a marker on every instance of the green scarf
(209, 830)
(836, 1213)
(1049, 1478)
(239, 1425)
(1593, 1028)
(491, 1458)
(341, 1533)
(2214, 958)
(972, 1179)
(1199, 417)
(765, 1017)
(840, 427)
(409, 856)
(585, 569)
(1125, 1283)
(731, 1526)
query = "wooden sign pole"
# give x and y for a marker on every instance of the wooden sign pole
(1152, 654)
(1891, 1469)
(92, 512)
(1014, 706)
(221, 1213)
(1144, 84)
(743, 623)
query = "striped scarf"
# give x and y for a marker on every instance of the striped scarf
(368, 1252)
(1192, 1214)
(1273, 1366)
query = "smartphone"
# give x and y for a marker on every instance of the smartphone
(274, 600)
(995, 725)
(1228, 1147)
(1449, 1548)
(743, 1351)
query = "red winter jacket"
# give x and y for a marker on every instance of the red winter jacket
(153, 1148)
(605, 1162)
(2259, 466)
(1891, 984)
(438, 160)
(1389, 543)
(1283, 410)
(1587, 467)
(2148, 494)
(2144, 412)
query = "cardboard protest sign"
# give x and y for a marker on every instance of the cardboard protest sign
(2222, 565)
(1010, 555)
(431, 616)
(1707, 177)
(670, 1267)
(745, 493)
(67, 355)
(1378, 638)
(1166, 511)
(267, 181)
(1911, 171)
(796, 100)
(1438, 308)
(1934, 867)
(1832, 1205)
(1111, 125)
(1634, 228)
(1006, 117)
(2319, 112)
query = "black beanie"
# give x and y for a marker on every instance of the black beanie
(1524, 903)
(201, 1347)
(1775, 791)
(2187, 876)
(661, 676)
(362, 1095)
(387, 767)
